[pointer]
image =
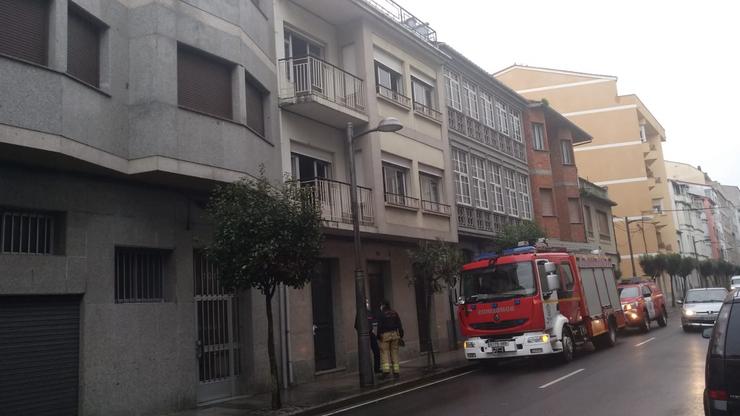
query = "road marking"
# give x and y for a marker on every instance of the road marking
(645, 342)
(544, 386)
(397, 394)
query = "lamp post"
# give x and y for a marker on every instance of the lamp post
(696, 257)
(627, 222)
(388, 124)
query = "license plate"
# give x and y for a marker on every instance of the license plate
(502, 346)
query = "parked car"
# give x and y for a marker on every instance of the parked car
(701, 306)
(642, 303)
(735, 282)
(722, 371)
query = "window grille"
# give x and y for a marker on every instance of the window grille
(139, 275)
(26, 232)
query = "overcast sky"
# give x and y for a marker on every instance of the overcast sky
(681, 58)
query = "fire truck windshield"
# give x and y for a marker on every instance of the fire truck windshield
(498, 282)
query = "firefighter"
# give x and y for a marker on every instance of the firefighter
(390, 333)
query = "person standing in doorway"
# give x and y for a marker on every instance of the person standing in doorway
(390, 334)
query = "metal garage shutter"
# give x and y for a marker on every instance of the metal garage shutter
(39, 354)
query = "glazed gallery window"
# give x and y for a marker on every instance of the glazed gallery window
(480, 193)
(470, 99)
(503, 117)
(452, 89)
(488, 109)
(462, 181)
(524, 200)
(496, 187)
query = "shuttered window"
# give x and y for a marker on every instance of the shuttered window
(548, 207)
(574, 210)
(83, 47)
(203, 83)
(255, 109)
(24, 29)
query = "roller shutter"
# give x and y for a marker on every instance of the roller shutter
(39, 355)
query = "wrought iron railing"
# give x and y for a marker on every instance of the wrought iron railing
(310, 76)
(401, 200)
(333, 198)
(435, 207)
(392, 95)
(402, 16)
(427, 111)
(482, 133)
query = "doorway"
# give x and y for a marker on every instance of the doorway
(322, 302)
(378, 273)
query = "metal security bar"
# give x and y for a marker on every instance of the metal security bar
(424, 110)
(26, 232)
(310, 76)
(394, 96)
(333, 198)
(139, 275)
(217, 309)
(435, 207)
(401, 200)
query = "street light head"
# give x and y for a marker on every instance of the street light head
(389, 124)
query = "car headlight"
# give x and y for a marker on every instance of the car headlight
(689, 312)
(629, 306)
(538, 339)
(469, 344)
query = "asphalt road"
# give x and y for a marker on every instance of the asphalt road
(658, 373)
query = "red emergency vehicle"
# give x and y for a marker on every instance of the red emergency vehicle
(532, 301)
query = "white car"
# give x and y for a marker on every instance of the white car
(735, 282)
(701, 307)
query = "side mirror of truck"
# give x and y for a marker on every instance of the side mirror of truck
(553, 282)
(550, 267)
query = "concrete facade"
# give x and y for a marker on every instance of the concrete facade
(623, 130)
(123, 165)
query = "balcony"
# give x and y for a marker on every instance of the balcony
(481, 221)
(333, 198)
(401, 201)
(475, 130)
(428, 112)
(321, 91)
(393, 96)
(437, 208)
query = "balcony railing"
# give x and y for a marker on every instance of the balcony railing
(394, 96)
(435, 207)
(310, 76)
(402, 16)
(427, 111)
(333, 198)
(401, 200)
(474, 129)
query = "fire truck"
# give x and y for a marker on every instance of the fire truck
(530, 301)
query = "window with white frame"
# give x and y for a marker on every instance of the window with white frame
(516, 125)
(480, 193)
(462, 181)
(538, 136)
(452, 88)
(503, 117)
(496, 187)
(566, 148)
(470, 99)
(511, 195)
(488, 109)
(524, 196)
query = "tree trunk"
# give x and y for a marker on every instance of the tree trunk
(673, 292)
(428, 311)
(276, 402)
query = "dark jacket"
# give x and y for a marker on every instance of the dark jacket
(389, 321)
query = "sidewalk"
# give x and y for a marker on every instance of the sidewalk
(335, 391)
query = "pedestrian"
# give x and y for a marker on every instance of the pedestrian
(390, 333)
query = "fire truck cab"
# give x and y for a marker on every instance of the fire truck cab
(529, 301)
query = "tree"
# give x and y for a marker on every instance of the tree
(512, 234)
(706, 268)
(672, 266)
(435, 265)
(647, 263)
(686, 267)
(725, 269)
(265, 236)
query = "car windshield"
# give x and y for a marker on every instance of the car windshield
(499, 282)
(628, 292)
(711, 295)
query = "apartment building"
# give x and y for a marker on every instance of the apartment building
(357, 62)
(116, 121)
(597, 218)
(732, 194)
(726, 223)
(625, 153)
(489, 158)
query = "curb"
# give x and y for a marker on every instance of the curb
(379, 392)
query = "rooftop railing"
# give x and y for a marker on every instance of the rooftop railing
(403, 17)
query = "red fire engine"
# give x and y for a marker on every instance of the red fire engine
(530, 301)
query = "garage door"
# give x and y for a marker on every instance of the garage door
(39, 354)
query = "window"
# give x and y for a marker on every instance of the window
(733, 331)
(480, 194)
(511, 192)
(422, 93)
(574, 210)
(503, 118)
(658, 206)
(30, 232)
(497, 187)
(602, 220)
(452, 88)
(203, 83)
(470, 99)
(567, 274)
(395, 184)
(643, 134)
(297, 46)
(462, 182)
(588, 220)
(488, 111)
(646, 291)
(83, 47)
(567, 149)
(306, 168)
(24, 30)
(516, 125)
(548, 206)
(388, 80)
(255, 107)
(431, 188)
(524, 199)
(538, 136)
(139, 275)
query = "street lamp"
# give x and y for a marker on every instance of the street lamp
(386, 125)
(627, 222)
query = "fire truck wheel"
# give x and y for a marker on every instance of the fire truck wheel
(663, 319)
(568, 347)
(607, 340)
(645, 323)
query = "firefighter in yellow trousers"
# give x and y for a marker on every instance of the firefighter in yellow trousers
(390, 335)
